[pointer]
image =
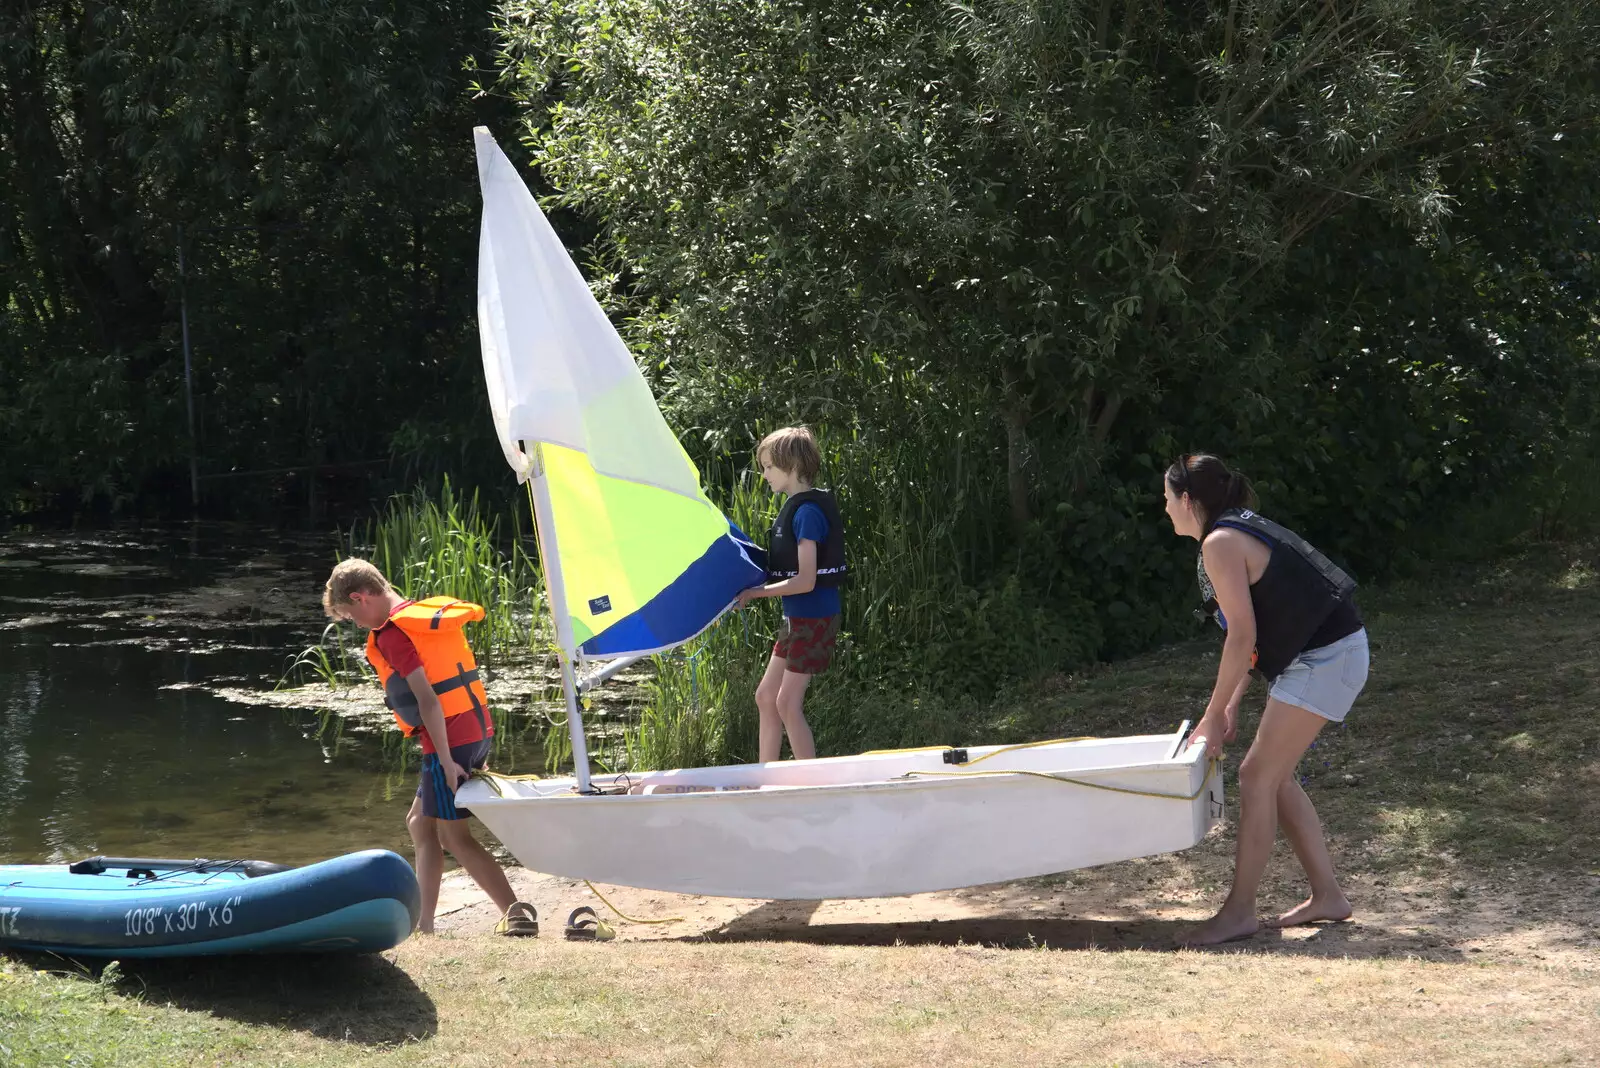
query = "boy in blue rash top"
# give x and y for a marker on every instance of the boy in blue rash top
(805, 565)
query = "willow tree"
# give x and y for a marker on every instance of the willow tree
(1059, 209)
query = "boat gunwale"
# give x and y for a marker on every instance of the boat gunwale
(927, 778)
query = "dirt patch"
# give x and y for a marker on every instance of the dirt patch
(497, 1001)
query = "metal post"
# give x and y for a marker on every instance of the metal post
(620, 664)
(556, 595)
(188, 380)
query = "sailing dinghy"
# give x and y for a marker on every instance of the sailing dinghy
(638, 560)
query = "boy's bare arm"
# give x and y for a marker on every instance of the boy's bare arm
(433, 722)
(803, 582)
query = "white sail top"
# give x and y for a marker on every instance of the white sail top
(636, 557)
(557, 370)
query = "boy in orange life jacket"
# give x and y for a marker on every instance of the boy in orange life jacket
(430, 682)
(805, 565)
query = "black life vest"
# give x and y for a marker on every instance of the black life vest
(1294, 596)
(783, 551)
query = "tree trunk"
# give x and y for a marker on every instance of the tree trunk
(1017, 416)
(1096, 426)
(114, 275)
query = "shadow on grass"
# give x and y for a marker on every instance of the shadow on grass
(789, 921)
(366, 1000)
(1469, 741)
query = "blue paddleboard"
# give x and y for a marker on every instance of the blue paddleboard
(136, 907)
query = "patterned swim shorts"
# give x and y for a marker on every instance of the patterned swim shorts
(438, 797)
(806, 645)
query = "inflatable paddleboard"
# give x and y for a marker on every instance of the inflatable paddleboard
(140, 907)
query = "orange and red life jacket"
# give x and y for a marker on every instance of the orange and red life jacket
(434, 627)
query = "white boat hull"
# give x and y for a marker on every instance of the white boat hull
(849, 827)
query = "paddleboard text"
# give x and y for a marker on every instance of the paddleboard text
(178, 919)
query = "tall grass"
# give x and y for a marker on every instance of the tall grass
(949, 605)
(447, 545)
(329, 661)
(936, 616)
(931, 625)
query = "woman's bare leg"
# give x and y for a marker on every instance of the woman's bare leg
(1285, 733)
(1304, 831)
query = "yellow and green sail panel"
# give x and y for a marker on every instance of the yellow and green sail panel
(645, 561)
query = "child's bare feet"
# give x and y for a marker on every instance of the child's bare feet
(1315, 909)
(1219, 929)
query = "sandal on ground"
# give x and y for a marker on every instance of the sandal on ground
(584, 926)
(521, 919)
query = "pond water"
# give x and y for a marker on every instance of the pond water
(137, 712)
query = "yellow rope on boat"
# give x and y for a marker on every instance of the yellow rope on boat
(997, 752)
(1211, 768)
(1034, 745)
(490, 777)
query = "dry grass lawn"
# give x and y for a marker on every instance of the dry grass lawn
(1461, 806)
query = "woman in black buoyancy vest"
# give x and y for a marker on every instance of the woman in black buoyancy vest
(1288, 611)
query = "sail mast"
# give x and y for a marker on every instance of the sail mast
(556, 594)
(635, 556)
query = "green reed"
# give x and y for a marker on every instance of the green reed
(331, 661)
(919, 508)
(445, 544)
(918, 527)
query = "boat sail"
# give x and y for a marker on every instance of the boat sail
(638, 560)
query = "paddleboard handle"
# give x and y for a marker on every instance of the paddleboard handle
(147, 867)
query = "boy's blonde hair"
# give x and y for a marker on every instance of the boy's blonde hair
(794, 450)
(351, 576)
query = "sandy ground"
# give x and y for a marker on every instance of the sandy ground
(1523, 918)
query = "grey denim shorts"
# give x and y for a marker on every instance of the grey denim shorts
(1328, 679)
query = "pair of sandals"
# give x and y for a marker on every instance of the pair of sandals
(584, 925)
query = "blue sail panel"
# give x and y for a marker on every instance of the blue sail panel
(689, 604)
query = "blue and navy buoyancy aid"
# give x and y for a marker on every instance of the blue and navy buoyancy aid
(1294, 596)
(783, 551)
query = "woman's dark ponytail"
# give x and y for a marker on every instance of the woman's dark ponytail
(1239, 493)
(1209, 483)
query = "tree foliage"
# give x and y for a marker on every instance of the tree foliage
(1344, 243)
(313, 160)
(1008, 255)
